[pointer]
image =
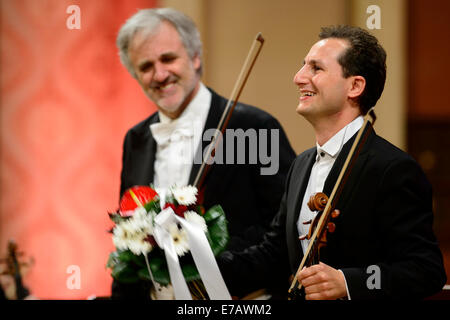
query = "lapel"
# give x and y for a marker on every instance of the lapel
(339, 163)
(300, 176)
(215, 112)
(151, 148)
(302, 182)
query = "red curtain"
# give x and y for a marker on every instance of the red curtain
(66, 103)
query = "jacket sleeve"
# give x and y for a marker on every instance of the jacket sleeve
(263, 265)
(124, 183)
(269, 178)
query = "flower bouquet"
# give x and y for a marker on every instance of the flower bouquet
(166, 237)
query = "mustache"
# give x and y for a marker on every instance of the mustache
(158, 84)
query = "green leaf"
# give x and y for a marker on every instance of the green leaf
(116, 218)
(123, 272)
(159, 271)
(152, 206)
(112, 259)
(136, 259)
(217, 234)
(190, 272)
(213, 213)
(124, 265)
(118, 256)
(126, 256)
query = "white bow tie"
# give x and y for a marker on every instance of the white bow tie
(165, 133)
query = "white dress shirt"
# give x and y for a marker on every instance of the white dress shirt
(325, 158)
(177, 141)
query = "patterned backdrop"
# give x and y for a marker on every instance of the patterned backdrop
(66, 103)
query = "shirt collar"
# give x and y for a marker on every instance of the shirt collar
(334, 145)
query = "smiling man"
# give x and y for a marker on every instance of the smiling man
(162, 50)
(383, 246)
(164, 69)
(327, 98)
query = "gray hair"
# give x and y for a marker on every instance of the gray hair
(148, 20)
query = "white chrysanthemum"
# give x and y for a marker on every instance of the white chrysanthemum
(180, 239)
(197, 219)
(186, 195)
(132, 233)
(139, 211)
(120, 237)
(140, 246)
(123, 232)
(135, 243)
(142, 222)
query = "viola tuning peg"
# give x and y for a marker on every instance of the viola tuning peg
(307, 222)
(335, 213)
(331, 227)
(302, 237)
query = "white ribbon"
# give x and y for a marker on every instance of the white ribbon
(201, 252)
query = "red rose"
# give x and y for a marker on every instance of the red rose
(151, 240)
(179, 210)
(135, 197)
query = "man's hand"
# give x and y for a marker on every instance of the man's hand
(322, 282)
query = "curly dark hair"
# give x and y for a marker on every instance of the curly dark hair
(365, 57)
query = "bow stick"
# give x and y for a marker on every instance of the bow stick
(226, 115)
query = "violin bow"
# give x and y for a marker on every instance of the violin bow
(312, 248)
(226, 115)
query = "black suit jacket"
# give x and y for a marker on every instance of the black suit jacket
(250, 200)
(386, 220)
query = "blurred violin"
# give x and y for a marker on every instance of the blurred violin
(13, 268)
